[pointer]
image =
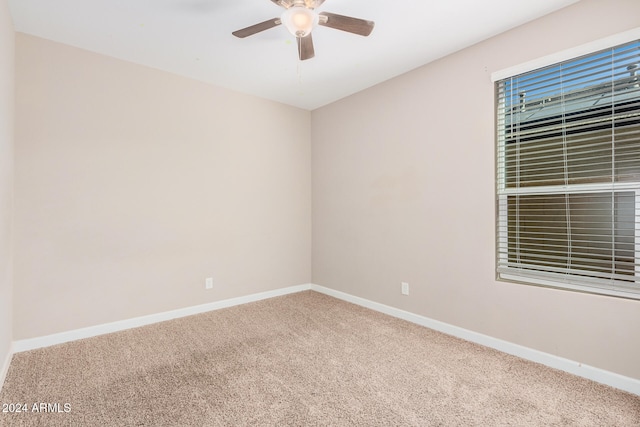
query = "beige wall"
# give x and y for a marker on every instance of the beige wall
(133, 185)
(404, 190)
(6, 178)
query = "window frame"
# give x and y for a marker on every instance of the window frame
(550, 279)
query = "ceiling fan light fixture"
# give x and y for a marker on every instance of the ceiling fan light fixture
(299, 20)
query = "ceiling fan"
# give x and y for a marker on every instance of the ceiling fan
(300, 18)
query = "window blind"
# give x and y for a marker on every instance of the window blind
(568, 173)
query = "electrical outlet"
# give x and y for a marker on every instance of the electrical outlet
(405, 288)
(208, 283)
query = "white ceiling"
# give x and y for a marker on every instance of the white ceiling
(193, 38)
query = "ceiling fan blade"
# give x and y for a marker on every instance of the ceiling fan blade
(346, 23)
(249, 31)
(305, 48)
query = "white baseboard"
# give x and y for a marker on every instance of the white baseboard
(107, 328)
(631, 385)
(4, 368)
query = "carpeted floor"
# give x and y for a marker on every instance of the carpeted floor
(304, 359)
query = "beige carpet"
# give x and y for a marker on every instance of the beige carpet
(304, 359)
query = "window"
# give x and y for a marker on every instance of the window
(568, 174)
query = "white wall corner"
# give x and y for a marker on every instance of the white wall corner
(4, 368)
(631, 385)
